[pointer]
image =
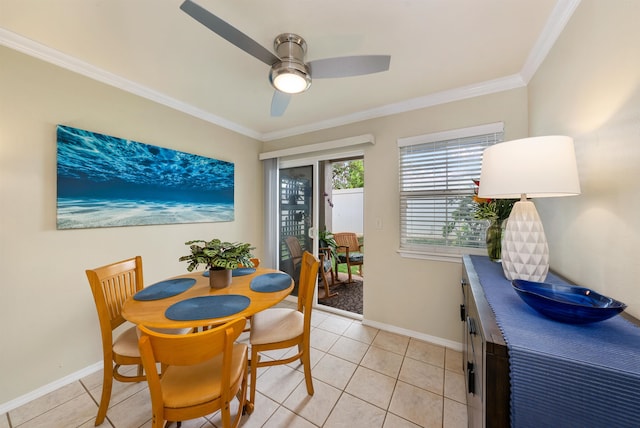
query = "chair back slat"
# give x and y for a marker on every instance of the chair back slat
(193, 348)
(307, 284)
(113, 284)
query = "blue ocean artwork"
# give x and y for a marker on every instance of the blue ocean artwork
(105, 181)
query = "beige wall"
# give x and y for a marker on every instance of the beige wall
(417, 295)
(589, 88)
(49, 323)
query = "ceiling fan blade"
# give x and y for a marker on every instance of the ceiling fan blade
(228, 32)
(279, 103)
(347, 66)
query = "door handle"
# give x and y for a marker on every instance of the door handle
(471, 325)
(471, 378)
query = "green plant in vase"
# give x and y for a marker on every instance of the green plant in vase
(327, 241)
(219, 257)
(496, 211)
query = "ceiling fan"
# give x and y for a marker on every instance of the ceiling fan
(289, 73)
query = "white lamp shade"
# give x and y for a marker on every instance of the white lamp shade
(538, 167)
(535, 167)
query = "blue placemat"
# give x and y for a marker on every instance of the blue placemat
(243, 271)
(270, 282)
(164, 289)
(205, 307)
(236, 272)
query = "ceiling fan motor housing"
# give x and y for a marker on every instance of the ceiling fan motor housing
(291, 69)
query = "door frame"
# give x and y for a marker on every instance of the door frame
(314, 161)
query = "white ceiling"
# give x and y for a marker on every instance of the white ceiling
(440, 50)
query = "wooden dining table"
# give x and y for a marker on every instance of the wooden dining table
(152, 313)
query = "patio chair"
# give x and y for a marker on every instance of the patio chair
(348, 251)
(326, 272)
(295, 250)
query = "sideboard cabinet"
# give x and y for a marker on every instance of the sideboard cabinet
(525, 369)
(486, 360)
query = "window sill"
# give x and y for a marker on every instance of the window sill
(450, 255)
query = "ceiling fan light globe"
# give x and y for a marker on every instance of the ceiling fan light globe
(290, 77)
(290, 83)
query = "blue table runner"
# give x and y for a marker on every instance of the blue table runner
(564, 375)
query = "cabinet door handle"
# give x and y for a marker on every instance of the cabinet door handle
(471, 326)
(471, 378)
(463, 313)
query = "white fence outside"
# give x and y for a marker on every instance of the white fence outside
(348, 209)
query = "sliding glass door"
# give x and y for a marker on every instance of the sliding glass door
(295, 217)
(304, 208)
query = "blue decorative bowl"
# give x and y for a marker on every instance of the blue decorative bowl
(567, 303)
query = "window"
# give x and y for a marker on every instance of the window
(436, 191)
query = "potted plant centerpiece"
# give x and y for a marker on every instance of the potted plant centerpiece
(219, 257)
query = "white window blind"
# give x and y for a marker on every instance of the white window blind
(436, 189)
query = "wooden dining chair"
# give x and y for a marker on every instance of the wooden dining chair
(203, 373)
(281, 328)
(348, 251)
(111, 285)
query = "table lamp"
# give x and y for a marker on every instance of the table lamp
(537, 167)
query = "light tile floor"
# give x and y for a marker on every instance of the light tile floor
(363, 377)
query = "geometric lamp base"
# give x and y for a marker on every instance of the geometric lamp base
(525, 254)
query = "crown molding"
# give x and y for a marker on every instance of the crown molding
(562, 12)
(55, 57)
(457, 94)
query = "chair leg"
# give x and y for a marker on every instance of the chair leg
(241, 396)
(305, 359)
(255, 358)
(325, 279)
(349, 270)
(107, 384)
(225, 413)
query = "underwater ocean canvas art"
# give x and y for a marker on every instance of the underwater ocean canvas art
(105, 181)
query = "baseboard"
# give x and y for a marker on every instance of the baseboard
(340, 312)
(44, 390)
(456, 346)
